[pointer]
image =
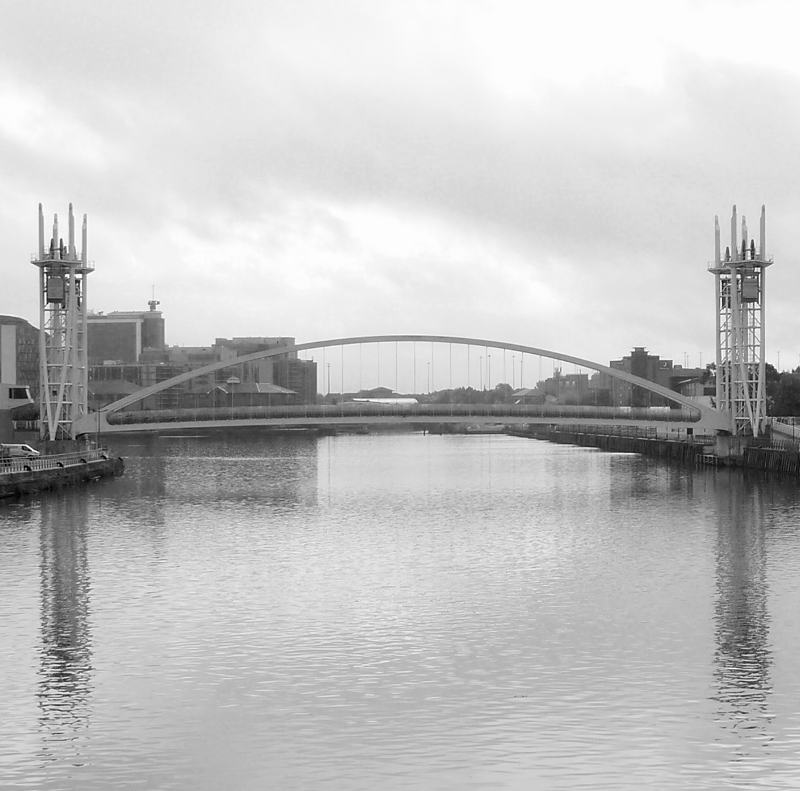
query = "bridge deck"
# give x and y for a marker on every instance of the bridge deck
(354, 414)
(291, 423)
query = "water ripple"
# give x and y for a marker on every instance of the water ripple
(401, 612)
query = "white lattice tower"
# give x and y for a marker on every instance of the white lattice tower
(62, 330)
(740, 294)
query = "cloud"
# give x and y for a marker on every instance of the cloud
(535, 173)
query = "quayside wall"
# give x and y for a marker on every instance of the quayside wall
(783, 460)
(673, 450)
(24, 476)
(695, 450)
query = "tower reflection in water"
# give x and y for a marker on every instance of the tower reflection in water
(743, 657)
(65, 670)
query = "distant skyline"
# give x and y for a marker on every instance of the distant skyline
(542, 174)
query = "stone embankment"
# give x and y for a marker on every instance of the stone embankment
(24, 476)
(786, 460)
(619, 443)
(705, 451)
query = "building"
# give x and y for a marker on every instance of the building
(651, 367)
(529, 395)
(130, 347)
(299, 376)
(139, 376)
(19, 354)
(260, 371)
(285, 370)
(125, 337)
(237, 394)
(557, 389)
(566, 388)
(602, 389)
(106, 391)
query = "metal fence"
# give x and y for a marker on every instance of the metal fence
(639, 432)
(57, 461)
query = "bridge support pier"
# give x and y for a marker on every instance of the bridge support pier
(727, 446)
(93, 423)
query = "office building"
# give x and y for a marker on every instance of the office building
(125, 337)
(651, 367)
(19, 353)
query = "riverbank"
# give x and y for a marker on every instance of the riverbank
(700, 451)
(26, 476)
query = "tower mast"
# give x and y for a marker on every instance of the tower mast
(63, 359)
(740, 294)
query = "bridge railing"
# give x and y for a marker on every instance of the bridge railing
(781, 443)
(405, 411)
(26, 425)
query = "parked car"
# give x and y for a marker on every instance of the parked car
(11, 451)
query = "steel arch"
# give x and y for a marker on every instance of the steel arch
(709, 415)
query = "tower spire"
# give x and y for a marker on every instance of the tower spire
(740, 295)
(63, 391)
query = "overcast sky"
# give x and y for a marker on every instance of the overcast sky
(545, 174)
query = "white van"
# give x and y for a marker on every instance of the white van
(18, 452)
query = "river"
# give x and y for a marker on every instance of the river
(400, 611)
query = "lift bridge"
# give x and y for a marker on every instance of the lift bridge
(458, 363)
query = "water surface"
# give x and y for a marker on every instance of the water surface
(400, 611)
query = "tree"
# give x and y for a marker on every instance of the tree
(785, 396)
